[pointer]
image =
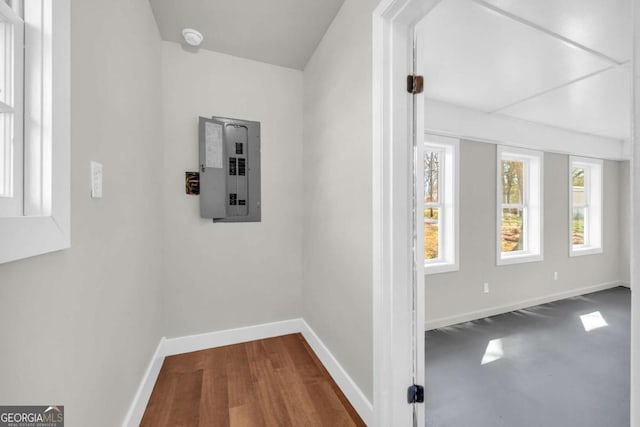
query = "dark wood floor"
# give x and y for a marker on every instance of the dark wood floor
(272, 382)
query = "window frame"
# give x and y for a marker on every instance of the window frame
(11, 196)
(533, 205)
(46, 225)
(448, 204)
(594, 206)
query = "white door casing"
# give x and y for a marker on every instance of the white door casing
(398, 295)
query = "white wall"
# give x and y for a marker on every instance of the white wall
(337, 155)
(79, 326)
(457, 293)
(219, 276)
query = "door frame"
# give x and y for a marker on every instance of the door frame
(635, 222)
(394, 312)
(398, 307)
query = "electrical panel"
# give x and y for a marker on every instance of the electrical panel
(229, 169)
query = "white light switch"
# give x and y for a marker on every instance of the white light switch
(96, 180)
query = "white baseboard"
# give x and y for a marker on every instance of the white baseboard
(493, 311)
(626, 284)
(186, 344)
(141, 398)
(354, 395)
(190, 343)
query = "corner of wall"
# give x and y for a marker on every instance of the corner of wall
(337, 153)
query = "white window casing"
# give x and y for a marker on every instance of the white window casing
(11, 111)
(447, 204)
(530, 206)
(44, 225)
(588, 199)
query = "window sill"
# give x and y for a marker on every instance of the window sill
(585, 250)
(519, 258)
(440, 267)
(27, 236)
(24, 237)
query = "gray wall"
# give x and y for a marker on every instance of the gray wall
(457, 293)
(324, 276)
(337, 154)
(625, 222)
(80, 326)
(220, 276)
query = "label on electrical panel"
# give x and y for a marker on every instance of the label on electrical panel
(213, 145)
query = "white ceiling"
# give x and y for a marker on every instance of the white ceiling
(559, 63)
(279, 32)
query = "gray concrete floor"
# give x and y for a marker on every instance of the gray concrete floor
(534, 367)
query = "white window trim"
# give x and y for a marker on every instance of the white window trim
(535, 212)
(450, 171)
(27, 236)
(591, 165)
(12, 203)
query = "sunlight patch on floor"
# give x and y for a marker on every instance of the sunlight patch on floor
(593, 321)
(493, 352)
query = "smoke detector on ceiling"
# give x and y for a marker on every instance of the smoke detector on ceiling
(192, 37)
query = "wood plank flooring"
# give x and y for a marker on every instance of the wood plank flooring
(271, 382)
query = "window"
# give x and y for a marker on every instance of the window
(440, 158)
(11, 111)
(34, 170)
(585, 206)
(519, 209)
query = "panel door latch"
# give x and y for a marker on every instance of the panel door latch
(415, 84)
(415, 394)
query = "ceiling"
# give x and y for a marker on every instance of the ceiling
(279, 32)
(560, 63)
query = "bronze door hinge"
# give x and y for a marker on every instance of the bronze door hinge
(415, 84)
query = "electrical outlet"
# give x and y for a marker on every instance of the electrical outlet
(96, 180)
(555, 275)
(486, 288)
